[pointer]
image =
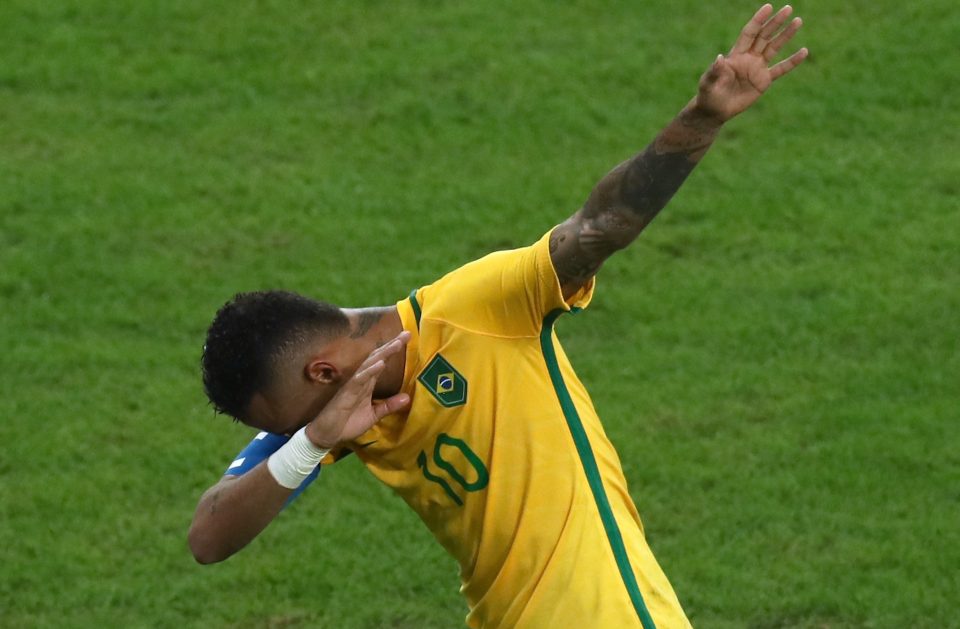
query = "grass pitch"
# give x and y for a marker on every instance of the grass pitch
(776, 358)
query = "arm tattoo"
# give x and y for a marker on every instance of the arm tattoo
(213, 502)
(573, 266)
(652, 179)
(628, 198)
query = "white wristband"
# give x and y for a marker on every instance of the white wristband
(295, 460)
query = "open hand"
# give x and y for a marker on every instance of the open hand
(733, 83)
(352, 411)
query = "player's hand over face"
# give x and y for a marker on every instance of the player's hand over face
(733, 83)
(352, 411)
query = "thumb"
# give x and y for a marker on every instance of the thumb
(392, 404)
(713, 72)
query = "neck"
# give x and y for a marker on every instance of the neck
(372, 327)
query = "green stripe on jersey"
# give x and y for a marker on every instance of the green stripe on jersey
(416, 306)
(589, 463)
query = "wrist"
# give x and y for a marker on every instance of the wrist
(317, 439)
(699, 115)
(295, 460)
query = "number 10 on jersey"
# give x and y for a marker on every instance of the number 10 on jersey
(445, 467)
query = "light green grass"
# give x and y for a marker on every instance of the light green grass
(776, 359)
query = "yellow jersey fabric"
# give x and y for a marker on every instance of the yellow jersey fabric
(503, 457)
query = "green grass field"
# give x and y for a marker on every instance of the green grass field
(776, 359)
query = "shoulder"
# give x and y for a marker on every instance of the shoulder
(506, 292)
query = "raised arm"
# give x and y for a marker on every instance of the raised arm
(631, 195)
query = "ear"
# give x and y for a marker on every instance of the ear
(320, 371)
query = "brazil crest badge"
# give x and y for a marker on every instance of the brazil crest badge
(444, 382)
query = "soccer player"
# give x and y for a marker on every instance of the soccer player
(461, 400)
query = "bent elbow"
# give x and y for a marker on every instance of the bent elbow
(204, 550)
(205, 558)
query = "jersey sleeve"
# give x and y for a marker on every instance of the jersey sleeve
(507, 292)
(257, 451)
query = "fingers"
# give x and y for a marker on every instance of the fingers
(387, 349)
(368, 372)
(788, 64)
(785, 35)
(375, 363)
(770, 28)
(753, 28)
(760, 35)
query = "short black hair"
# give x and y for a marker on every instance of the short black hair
(247, 336)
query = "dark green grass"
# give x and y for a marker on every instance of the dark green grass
(776, 358)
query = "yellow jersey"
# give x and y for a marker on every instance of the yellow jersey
(502, 455)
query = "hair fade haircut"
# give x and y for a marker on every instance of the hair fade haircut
(247, 336)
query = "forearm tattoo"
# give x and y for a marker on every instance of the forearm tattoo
(213, 502)
(652, 178)
(628, 198)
